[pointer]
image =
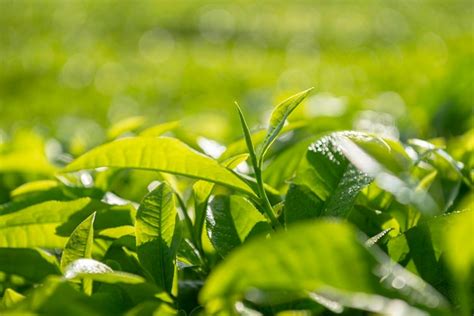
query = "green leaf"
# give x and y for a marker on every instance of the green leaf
(256, 164)
(301, 204)
(98, 271)
(117, 232)
(283, 167)
(152, 308)
(386, 161)
(36, 226)
(248, 138)
(34, 187)
(56, 297)
(326, 183)
(156, 227)
(230, 220)
(26, 154)
(375, 239)
(278, 118)
(128, 124)
(240, 146)
(313, 257)
(10, 298)
(201, 192)
(445, 177)
(30, 263)
(422, 248)
(161, 154)
(79, 244)
(160, 129)
(460, 256)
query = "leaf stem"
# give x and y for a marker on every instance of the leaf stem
(266, 202)
(187, 219)
(267, 207)
(195, 235)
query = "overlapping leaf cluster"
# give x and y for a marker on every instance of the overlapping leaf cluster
(318, 223)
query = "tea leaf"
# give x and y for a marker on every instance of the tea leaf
(79, 244)
(230, 220)
(156, 226)
(161, 154)
(278, 118)
(36, 226)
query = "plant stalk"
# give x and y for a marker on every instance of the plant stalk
(267, 207)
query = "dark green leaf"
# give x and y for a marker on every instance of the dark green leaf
(230, 220)
(32, 264)
(201, 192)
(79, 244)
(326, 183)
(156, 226)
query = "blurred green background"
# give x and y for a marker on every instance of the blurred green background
(76, 67)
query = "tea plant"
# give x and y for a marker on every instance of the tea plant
(318, 222)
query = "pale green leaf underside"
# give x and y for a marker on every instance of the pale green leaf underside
(112, 277)
(97, 271)
(161, 154)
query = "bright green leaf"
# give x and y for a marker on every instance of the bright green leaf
(240, 146)
(128, 124)
(459, 250)
(152, 308)
(26, 154)
(314, 257)
(160, 129)
(117, 232)
(36, 226)
(34, 186)
(278, 119)
(10, 298)
(161, 154)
